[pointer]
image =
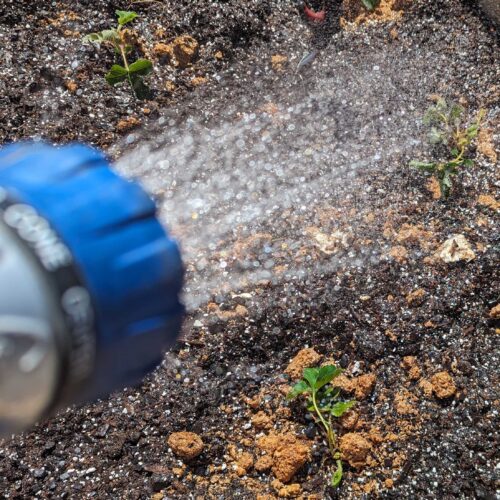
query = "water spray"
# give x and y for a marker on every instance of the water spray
(89, 282)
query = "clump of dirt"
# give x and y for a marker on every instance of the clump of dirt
(387, 10)
(485, 144)
(186, 445)
(261, 421)
(495, 312)
(289, 453)
(305, 358)
(443, 385)
(355, 449)
(264, 463)
(410, 364)
(181, 52)
(399, 253)
(286, 490)
(405, 403)
(488, 201)
(244, 460)
(416, 298)
(361, 386)
(127, 124)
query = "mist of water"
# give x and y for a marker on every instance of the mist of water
(249, 194)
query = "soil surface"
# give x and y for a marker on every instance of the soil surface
(417, 331)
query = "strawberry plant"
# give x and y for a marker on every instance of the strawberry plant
(453, 138)
(117, 39)
(322, 401)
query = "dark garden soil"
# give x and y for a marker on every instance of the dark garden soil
(418, 336)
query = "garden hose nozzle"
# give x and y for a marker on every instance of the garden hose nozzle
(89, 281)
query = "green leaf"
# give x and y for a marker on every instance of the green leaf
(326, 374)
(125, 16)
(297, 389)
(441, 105)
(435, 136)
(370, 4)
(468, 163)
(445, 185)
(102, 36)
(337, 475)
(424, 166)
(454, 152)
(472, 131)
(92, 38)
(338, 409)
(456, 111)
(141, 67)
(447, 179)
(109, 36)
(116, 74)
(311, 376)
(430, 117)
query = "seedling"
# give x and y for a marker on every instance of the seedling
(322, 401)
(116, 38)
(453, 138)
(370, 4)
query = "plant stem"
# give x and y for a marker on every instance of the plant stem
(124, 57)
(125, 63)
(330, 435)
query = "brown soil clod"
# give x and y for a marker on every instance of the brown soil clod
(361, 386)
(486, 200)
(355, 449)
(410, 363)
(415, 234)
(278, 62)
(244, 463)
(71, 86)
(305, 358)
(262, 421)
(181, 52)
(164, 51)
(185, 49)
(426, 387)
(290, 491)
(485, 144)
(434, 188)
(416, 297)
(404, 403)
(186, 445)
(289, 453)
(399, 253)
(264, 463)
(127, 124)
(443, 385)
(495, 312)
(349, 420)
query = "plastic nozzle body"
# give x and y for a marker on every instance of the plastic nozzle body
(98, 275)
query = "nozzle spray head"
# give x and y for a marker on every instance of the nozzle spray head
(89, 281)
